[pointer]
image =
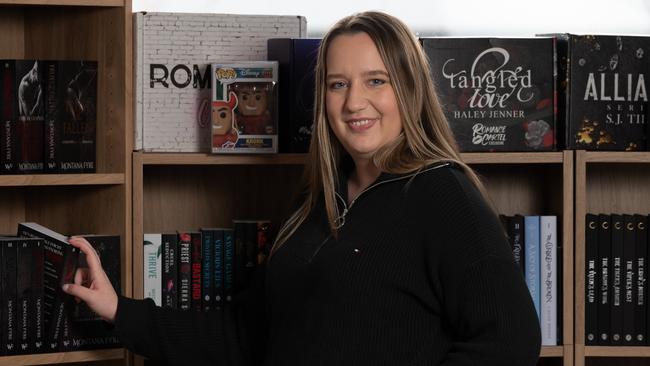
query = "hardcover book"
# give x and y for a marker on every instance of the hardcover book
(628, 279)
(497, 93)
(592, 269)
(532, 265)
(640, 304)
(604, 259)
(606, 94)
(244, 107)
(297, 64)
(548, 279)
(616, 293)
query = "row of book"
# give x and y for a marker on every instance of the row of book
(201, 270)
(534, 243)
(616, 251)
(48, 111)
(36, 315)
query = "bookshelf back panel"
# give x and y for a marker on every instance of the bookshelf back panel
(78, 33)
(521, 189)
(618, 188)
(187, 198)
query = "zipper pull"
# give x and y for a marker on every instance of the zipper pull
(340, 221)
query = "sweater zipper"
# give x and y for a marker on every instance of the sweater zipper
(340, 221)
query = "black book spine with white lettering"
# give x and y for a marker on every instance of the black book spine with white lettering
(184, 270)
(207, 255)
(60, 265)
(51, 132)
(604, 258)
(229, 263)
(629, 279)
(23, 289)
(8, 164)
(616, 293)
(515, 231)
(219, 268)
(196, 271)
(641, 254)
(9, 308)
(30, 117)
(170, 270)
(37, 323)
(591, 279)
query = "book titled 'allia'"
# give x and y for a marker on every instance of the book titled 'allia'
(605, 92)
(497, 93)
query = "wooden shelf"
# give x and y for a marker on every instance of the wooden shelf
(616, 156)
(208, 159)
(552, 351)
(63, 357)
(60, 180)
(103, 3)
(604, 351)
(513, 158)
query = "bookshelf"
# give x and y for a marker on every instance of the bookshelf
(606, 182)
(188, 190)
(77, 203)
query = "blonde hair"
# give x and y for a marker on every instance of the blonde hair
(426, 137)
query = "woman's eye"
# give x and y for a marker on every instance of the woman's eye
(376, 82)
(337, 85)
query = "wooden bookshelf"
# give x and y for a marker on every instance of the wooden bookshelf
(606, 182)
(77, 203)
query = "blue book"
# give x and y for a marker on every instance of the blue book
(532, 253)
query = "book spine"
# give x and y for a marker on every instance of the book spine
(31, 117)
(219, 268)
(170, 273)
(515, 231)
(591, 279)
(239, 255)
(184, 270)
(604, 255)
(616, 299)
(153, 267)
(548, 271)
(23, 289)
(51, 132)
(629, 279)
(250, 250)
(532, 259)
(37, 325)
(207, 262)
(9, 316)
(62, 301)
(196, 271)
(229, 263)
(641, 254)
(7, 148)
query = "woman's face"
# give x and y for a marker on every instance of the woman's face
(361, 106)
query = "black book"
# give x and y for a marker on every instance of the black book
(23, 293)
(219, 267)
(169, 270)
(184, 270)
(84, 329)
(297, 64)
(8, 161)
(604, 259)
(240, 257)
(606, 94)
(591, 279)
(251, 250)
(197, 262)
(60, 266)
(9, 307)
(37, 321)
(229, 264)
(629, 279)
(516, 234)
(616, 280)
(207, 262)
(71, 122)
(641, 254)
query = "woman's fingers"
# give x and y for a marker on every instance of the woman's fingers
(78, 291)
(94, 264)
(81, 276)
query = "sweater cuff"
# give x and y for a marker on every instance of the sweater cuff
(130, 317)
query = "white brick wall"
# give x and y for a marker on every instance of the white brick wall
(166, 117)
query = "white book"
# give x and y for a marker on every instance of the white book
(153, 267)
(548, 274)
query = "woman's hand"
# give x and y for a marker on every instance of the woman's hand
(91, 285)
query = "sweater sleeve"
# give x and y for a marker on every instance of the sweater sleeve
(484, 296)
(235, 335)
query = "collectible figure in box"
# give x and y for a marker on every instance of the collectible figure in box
(244, 107)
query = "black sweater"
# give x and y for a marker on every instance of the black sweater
(420, 274)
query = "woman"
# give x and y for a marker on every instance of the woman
(393, 258)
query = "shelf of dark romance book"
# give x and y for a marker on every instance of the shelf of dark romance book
(63, 357)
(616, 156)
(617, 351)
(104, 3)
(552, 351)
(513, 157)
(61, 179)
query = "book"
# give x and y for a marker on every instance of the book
(169, 270)
(641, 254)
(197, 262)
(606, 94)
(153, 267)
(591, 279)
(220, 266)
(29, 87)
(37, 321)
(515, 232)
(229, 263)
(616, 293)
(548, 279)
(60, 265)
(297, 63)
(532, 265)
(8, 163)
(498, 94)
(628, 280)
(207, 265)
(604, 268)
(9, 309)
(184, 270)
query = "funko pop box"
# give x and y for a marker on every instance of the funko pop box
(244, 108)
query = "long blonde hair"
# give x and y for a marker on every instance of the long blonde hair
(426, 136)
